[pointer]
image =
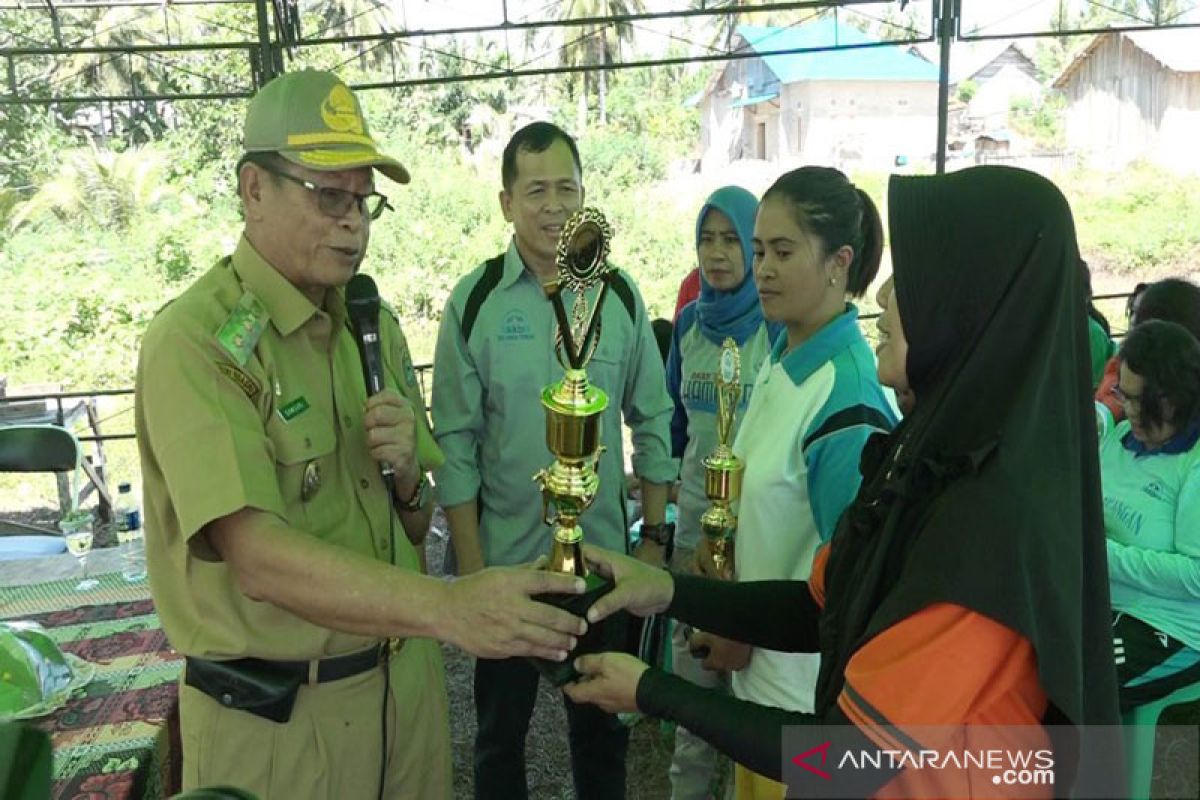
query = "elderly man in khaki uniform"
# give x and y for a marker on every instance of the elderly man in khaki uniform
(281, 563)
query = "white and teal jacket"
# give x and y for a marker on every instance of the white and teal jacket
(1152, 519)
(811, 411)
(495, 352)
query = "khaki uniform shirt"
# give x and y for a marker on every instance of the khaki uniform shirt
(250, 396)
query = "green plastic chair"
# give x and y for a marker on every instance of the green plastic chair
(40, 448)
(1140, 724)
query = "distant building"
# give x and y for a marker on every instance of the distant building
(868, 107)
(1136, 95)
(1000, 73)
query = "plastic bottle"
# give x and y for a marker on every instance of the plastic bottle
(129, 534)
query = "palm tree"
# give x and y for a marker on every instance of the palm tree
(594, 44)
(87, 74)
(352, 18)
(106, 187)
(1157, 12)
(725, 26)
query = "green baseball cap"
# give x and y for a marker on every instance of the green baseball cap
(313, 119)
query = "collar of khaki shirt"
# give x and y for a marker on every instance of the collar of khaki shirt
(286, 305)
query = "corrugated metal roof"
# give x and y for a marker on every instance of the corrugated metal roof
(867, 64)
(968, 58)
(755, 100)
(1178, 49)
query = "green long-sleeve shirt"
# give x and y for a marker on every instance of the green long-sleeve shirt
(1152, 518)
(489, 420)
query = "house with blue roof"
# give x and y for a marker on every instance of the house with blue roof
(820, 93)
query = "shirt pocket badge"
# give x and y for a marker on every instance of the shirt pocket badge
(301, 445)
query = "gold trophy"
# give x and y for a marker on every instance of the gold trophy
(722, 469)
(573, 413)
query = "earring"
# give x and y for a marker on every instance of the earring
(833, 281)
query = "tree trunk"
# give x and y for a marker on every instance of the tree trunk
(602, 91)
(581, 106)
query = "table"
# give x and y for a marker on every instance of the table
(119, 739)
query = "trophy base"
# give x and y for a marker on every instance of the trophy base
(607, 635)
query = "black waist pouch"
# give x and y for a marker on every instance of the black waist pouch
(259, 687)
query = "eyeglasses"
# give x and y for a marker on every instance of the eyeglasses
(1126, 398)
(337, 203)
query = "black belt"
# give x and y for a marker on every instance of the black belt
(268, 688)
(335, 668)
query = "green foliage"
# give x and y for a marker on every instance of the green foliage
(102, 186)
(1040, 120)
(1148, 222)
(205, 147)
(620, 159)
(1125, 12)
(10, 199)
(116, 232)
(967, 90)
(33, 141)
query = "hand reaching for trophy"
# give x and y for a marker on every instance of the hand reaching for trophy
(704, 561)
(641, 589)
(491, 614)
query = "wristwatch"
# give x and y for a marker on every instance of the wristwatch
(420, 495)
(662, 533)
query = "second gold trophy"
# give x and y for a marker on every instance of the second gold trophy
(722, 469)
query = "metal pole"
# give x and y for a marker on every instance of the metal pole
(266, 50)
(945, 21)
(983, 37)
(577, 22)
(122, 98)
(195, 47)
(657, 62)
(55, 23)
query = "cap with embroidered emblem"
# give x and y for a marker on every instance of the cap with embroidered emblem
(312, 119)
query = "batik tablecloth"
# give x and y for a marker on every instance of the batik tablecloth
(119, 737)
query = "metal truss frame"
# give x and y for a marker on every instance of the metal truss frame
(277, 29)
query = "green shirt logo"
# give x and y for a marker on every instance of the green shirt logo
(240, 333)
(293, 409)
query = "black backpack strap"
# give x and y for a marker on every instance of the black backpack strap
(493, 270)
(620, 285)
(849, 418)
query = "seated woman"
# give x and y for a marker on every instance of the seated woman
(1171, 300)
(966, 583)
(1150, 468)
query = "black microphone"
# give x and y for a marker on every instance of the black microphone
(362, 305)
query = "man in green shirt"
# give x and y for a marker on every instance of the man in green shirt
(495, 352)
(272, 540)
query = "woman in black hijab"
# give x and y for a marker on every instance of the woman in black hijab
(967, 582)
